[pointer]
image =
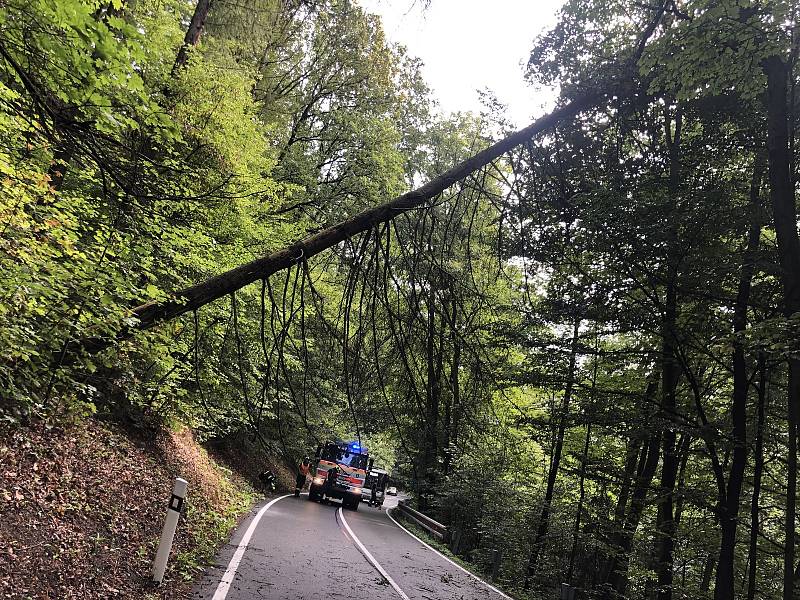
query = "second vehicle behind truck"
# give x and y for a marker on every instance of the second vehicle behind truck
(380, 479)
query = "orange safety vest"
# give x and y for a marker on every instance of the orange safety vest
(304, 469)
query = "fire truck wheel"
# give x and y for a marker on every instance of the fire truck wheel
(313, 494)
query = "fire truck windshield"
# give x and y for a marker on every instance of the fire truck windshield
(344, 456)
(357, 461)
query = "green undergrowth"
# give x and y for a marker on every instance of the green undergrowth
(221, 498)
(210, 527)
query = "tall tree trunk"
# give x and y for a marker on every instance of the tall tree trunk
(457, 408)
(584, 458)
(447, 407)
(629, 471)
(431, 436)
(555, 461)
(758, 469)
(665, 523)
(617, 570)
(636, 468)
(193, 33)
(450, 427)
(576, 529)
(708, 570)
(789, 552)
(785, 217)
(684, 446)
(729, 506)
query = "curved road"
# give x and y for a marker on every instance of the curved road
(305, 550)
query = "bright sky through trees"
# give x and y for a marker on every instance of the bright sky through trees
(471, 45)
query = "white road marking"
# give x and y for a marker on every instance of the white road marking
(455, 564)
(230, 572)
(368, 555)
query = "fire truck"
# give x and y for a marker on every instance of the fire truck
(339, 472)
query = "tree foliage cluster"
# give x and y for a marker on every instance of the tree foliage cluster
(139, 157)
(660, 241)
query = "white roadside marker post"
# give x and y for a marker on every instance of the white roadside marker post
(168, 533)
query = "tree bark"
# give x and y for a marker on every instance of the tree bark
(193, 33)
(708, 569)
(450, 428)
(629, 471)
(455, 382)
(665, 523)
(430, 441)
(581, 496)
(785, 219)
(639, 473)
(758, 469)
(584, 458)
(684, 446)
(729, 505)
(617, 571)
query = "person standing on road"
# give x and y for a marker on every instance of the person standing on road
(302, 471)
(373, 501)
(330, 481)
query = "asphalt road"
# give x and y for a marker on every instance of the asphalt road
(301, 550)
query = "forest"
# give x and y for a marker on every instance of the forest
(577, 342)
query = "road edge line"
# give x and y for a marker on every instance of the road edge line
(371, 559)
(227, 577)
(451, 561)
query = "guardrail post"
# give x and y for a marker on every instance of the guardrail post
(497, 558)
(168, 533)
(567, 592)
(455, 541)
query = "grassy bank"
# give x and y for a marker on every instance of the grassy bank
(81, 510)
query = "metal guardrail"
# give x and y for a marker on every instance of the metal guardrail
(435, 528)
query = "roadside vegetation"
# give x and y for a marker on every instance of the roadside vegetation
(584, 352)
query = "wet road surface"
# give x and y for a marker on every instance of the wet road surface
(301, 550)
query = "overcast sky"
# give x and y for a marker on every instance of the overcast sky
(468, 45)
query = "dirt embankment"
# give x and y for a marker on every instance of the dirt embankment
(81, 511)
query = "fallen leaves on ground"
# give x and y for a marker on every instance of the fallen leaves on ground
(82, 507)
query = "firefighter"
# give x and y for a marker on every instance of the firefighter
(267, 479)
(373, 501)
(330, 480)
(303, 470)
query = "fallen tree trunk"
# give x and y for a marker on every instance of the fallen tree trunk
(216, 287)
